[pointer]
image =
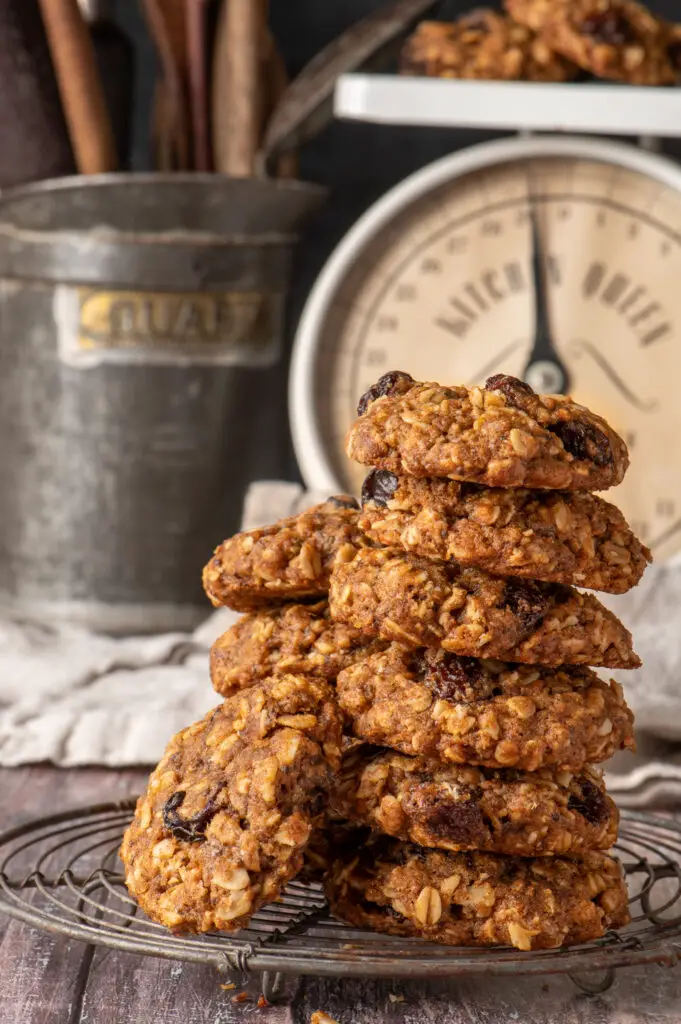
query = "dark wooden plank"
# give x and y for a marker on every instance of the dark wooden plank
(648, 995)
(41, 789)
(40, 975)
(123, 987)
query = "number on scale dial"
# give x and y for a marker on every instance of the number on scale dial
(560, 268)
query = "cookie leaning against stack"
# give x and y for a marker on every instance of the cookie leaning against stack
(229, 813)
(479, 521)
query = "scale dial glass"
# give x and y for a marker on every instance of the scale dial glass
(445, 292)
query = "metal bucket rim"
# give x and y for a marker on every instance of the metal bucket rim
(197, 239)
(290, 203)
(192, 178)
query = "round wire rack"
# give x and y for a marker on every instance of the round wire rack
(62, 874)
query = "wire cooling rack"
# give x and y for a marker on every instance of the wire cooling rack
(62, 874)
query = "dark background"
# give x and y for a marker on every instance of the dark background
(357, 162)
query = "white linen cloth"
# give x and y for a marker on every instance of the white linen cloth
(72, 697)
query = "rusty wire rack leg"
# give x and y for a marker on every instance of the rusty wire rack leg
(274, 988)
(590, 983)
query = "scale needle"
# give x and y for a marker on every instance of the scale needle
(545, 370)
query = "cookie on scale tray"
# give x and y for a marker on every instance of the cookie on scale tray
(466, 711)
(229, 811)
(474, 898)
(614, 39)
(485, 45)
(290, 560)
(558, 536)
(419, 603)
(502, 435)
(462, 807)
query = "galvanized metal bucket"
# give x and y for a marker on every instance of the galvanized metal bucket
(141, 385)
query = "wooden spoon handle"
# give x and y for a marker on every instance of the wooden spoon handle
(80, 87)
(237, 90)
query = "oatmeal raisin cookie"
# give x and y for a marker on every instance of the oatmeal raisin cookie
(462, 807)
(485, 45)
(476, 899)
(396, 596)
(502, 435)
(556, 536)
(229, 810)
(298, 638)
(467, 711)
(289, 560)
(615, 39)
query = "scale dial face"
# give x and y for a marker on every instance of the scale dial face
(445, 290)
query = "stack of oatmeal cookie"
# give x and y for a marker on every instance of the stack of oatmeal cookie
(406, 703)
(480, 519)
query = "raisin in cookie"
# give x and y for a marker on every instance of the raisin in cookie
(419, 603)
(465, 711)
(483, 45)
(476, 899)
(298, 638)
(290, 559)
(502, 435)
(557, 536)
(229, 810)
(615, 39)
(461, 807)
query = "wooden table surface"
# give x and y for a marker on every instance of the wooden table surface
(48, 980)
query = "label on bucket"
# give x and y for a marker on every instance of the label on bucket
(226, 328)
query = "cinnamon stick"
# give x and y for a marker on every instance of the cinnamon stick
(80, 88)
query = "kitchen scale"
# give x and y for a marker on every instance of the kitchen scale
(552, 258)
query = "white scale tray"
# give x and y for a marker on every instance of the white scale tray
(531, 106)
